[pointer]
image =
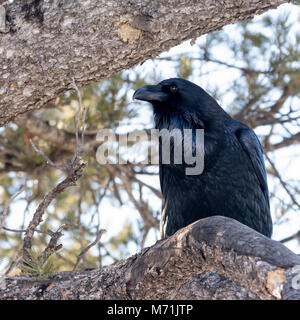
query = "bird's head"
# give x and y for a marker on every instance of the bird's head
(180, 96)
(168, 92)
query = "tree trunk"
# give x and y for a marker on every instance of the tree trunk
(44, 44)
(213, 258)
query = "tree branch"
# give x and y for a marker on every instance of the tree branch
(70, 180)
(213, 258)
(85, 250)
(51, 42)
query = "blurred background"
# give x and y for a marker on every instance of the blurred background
(252, 68)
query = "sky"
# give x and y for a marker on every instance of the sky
(287, 160)
(113, 218)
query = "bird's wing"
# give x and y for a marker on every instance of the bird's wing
(251, 145)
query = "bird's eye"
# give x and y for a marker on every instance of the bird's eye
(173, 88)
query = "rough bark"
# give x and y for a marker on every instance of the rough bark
(213, 258)
(46, 43)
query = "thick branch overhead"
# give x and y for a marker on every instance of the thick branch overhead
(47, 43)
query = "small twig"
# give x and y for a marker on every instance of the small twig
(292, 237)
(78, 144)
(83, 126)
(146, 215)
(74, 172)
(145, 234)
(99, 235)
(283, 183)
(48, 232)
(79, 224)
(14, 263)
(70, 180)
(46, 157)
(52, 245)
(7, 205)
(78, 112)
(68, 261)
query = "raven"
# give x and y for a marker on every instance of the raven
(233, 182)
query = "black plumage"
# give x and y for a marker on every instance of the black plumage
(233, 182)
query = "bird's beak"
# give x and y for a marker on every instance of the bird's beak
(150, 93)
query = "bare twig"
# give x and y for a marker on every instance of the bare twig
(7, 205)
(70, 180)
(78, 112)
(145, 234)
(68, 261)
(83, 126)
(133, 177)
(78, 144)
(292, 237)
(285, 142)
(146, 215)
(74, 173)
(45, 254)
(99, 235)
(14, 263)
(283, 183)
(52, 245)
(48, 232)
(79, 224)
(41, 152)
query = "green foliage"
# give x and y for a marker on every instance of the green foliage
(37, 268)
(185, 67)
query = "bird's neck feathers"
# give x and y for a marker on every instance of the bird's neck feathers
(215, 119)
(174, 120)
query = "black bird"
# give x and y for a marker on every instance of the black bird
(233, 182)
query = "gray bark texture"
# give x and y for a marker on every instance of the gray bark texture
(213, 258)
(46, 43)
